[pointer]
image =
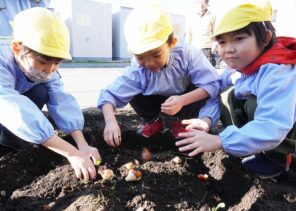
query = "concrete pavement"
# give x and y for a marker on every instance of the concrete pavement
(85, 83)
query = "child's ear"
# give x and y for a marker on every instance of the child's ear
(16, 47)
(173, 42)
(268, 37)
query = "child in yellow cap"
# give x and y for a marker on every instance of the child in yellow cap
(29, 79)
(164, 78)
(259, 111)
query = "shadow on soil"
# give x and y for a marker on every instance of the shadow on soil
(38, 179)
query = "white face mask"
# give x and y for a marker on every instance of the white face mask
(36, 75)
(33, 74)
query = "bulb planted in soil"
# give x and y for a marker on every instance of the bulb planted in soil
(203, 177)
(130, 165)
(133, 175)
(177, 160)
(146, 154)
(48, 206)
(106, 174)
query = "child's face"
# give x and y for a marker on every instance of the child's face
(36, 67)
(238, 50)
(155, 59)
(42, 63)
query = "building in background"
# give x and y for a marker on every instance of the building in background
(90, 25)
(119, 44)
(96, 26)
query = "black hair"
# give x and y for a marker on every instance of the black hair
(44, 57)
(259, 30)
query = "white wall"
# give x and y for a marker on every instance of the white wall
(96, 40)
(90, 25)
(119, 42)
(173, 6)
(178, 22)
(285, 22)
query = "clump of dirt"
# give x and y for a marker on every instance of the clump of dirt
(38, 179)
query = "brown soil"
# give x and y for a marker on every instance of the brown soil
(38, 179)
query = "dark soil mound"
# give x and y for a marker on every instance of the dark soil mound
(38, 179)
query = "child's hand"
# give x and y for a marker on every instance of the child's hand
(172, 105)
(92, 152)
(80, 161)
(197, 141)
(83, 146)
(203, 124)
(82, 165)
(112, 134)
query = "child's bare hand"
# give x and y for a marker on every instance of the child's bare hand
(92, 152)
(172, 105)
(196, 141)
(82, 165)
(112, 134)
(199, 124)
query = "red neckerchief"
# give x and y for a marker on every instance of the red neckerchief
(282, 52)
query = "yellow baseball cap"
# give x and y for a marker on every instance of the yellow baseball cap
(42, 31)
(147, 27)
(242, 15)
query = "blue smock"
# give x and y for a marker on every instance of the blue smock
(274, 86)
(22, 117)
(186, 65)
